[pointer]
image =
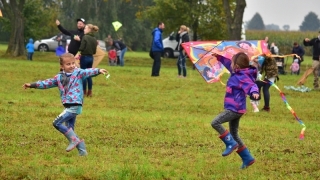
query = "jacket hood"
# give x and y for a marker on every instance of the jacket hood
(30, 40)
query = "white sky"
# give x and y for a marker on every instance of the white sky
(281, 12)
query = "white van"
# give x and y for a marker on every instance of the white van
(169, 45)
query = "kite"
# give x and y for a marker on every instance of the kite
(117, 25)
(290, 109)
(200, 54)
(97, 58)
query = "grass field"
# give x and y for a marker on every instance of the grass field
(139, 127)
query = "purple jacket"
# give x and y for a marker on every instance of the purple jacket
(240, 84)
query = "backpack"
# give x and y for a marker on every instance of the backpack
(295, 67)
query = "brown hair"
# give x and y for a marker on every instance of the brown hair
(93, 28)
(241, 59)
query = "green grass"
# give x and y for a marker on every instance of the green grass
(139, 127)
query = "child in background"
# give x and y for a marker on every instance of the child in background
(240, 84)
(30, 49)
(69, 83)
(295, 66)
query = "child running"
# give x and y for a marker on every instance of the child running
(69, 81)
(240, 84)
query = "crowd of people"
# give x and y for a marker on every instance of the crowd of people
(248, 78)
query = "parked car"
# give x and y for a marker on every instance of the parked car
(169, 45)
(51, 44)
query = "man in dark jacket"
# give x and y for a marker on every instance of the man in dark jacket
(157, 49)
(76, 35)
(315, 43)
(298, 50)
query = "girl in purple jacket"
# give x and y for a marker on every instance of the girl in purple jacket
(240, 84)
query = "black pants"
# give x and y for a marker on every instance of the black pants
(156, 63)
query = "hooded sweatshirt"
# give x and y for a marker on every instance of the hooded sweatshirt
(157, 44)
(29, 46)
(240, 84)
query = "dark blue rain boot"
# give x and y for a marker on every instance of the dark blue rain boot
(231, 144)
(82, 148)
(246, 157)
(73, 139)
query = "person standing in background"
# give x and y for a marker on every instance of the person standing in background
(87, 49)
(298, 50)
(157, 49)
(76, 35)
(182, 37)
(30, 49)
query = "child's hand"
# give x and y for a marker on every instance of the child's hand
(102, 71)
(256, 96)
(26, 85)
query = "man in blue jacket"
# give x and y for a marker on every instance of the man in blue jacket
(157, 49)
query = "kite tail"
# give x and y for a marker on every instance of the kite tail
(283, 97)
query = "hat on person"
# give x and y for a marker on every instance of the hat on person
(296, 60)
(82, 20)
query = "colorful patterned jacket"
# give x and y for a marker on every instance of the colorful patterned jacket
(240, 84)
(72, 93)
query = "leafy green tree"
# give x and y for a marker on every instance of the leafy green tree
(310, 23)
(22, 19)
(12, 14)
(256, 23)
(204, 18)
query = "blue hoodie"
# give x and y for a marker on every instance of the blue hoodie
(157, 40)
(29, 46)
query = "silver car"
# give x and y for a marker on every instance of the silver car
(51, 44)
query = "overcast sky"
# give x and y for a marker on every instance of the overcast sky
(281, 12)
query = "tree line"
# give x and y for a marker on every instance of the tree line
(311, 22)
(207, 19)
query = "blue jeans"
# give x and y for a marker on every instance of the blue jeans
(181, 63)
(123, 51)
(86, 61)
(65, 117)
(29, 56)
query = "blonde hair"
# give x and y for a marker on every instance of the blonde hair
(184, 28)
(93, 28)
(65, 56)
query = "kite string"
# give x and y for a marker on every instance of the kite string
(289, 108)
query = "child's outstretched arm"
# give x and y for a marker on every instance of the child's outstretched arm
(225, 61)
(45, 84)
(91, 72)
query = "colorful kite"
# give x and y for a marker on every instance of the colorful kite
(200, 54)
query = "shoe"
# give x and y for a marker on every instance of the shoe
(73, 140)
(246, 157)
(230, 143)
(255, 105)
(89, 93)
(267, 109)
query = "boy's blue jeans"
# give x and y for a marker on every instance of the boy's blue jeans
(66, 117)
